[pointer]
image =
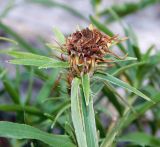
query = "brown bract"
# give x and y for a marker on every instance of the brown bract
(87, 48)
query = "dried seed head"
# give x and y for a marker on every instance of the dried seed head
(86, 48)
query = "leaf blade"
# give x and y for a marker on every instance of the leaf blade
(76, 113)
(57, 64)
(114, 80)
(140, 138)
(22, 131)
(59, 36)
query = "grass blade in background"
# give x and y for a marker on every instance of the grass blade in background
(47, 87)
(142, 139)
(127, 8)
(51, 3)
(22, 131)
(127, 118)
(59, 36)
(14, 95)
(19, 39)
(109, 78)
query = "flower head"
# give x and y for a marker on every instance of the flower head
(88, 47)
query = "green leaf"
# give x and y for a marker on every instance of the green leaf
(18, 38)
(14, 95)
(59, 36)
(126, 67)
(8, 40)
(95, 3)
(60, 113)
(127, 8)
(27, 55)
(22, 131)
(86, 87)
(57, 64)
(121, 60)
(56, 48)
(24, 58)
(29, 62)
(109, 78)
(127, 118)
(47, 86)
(113, 99)
(142, 139)
(19, 108)
(77, 115)
(89, 122)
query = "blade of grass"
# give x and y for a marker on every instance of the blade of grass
(113, 99)
(141, 139)
(19, 39)
(22, 131)
(8, 40)
(20, 108)
(47, 87)
(30, 86)
(124, 68)
(60, 113)
(127, 118)
(127, 8)
(59, 36)
(109, 78)
(11, 91)
(57, 64)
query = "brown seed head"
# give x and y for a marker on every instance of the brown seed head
(86, 48)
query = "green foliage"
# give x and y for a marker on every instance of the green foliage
(22, 131)
(141, 139)
(113, 80)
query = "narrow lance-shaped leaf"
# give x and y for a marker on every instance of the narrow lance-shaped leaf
(76, 113)
(8, 40)
(141, 139)
(27, 55)
(89, 122)
(59, 36)
(46, 89)
(24, 58)
(54, 64)
(29, 62)
(86, 87)
(22, 131)
(127, 118)
(109, 78)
